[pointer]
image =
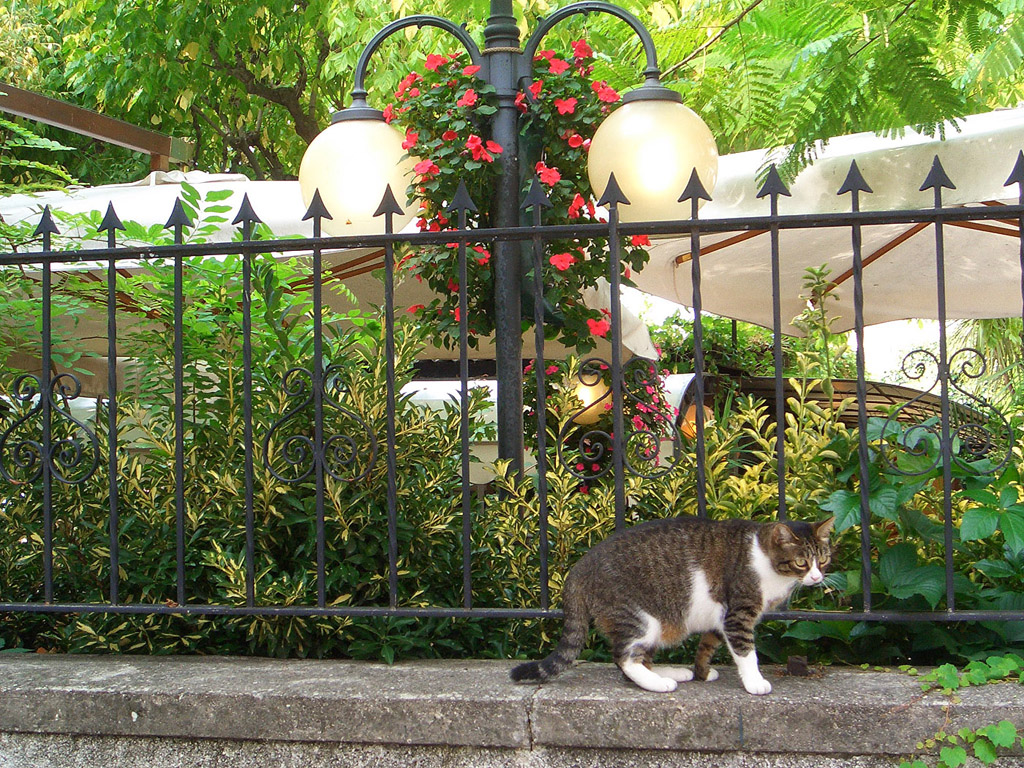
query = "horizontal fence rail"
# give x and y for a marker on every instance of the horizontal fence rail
(322, 438)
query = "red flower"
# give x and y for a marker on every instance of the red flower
(640, 240)
(551, 370)
(468, 99)
(414, 92)
(535, 87)
(471, 70)
(558, 66)
(562, 261)
(389, 113)
(549, 55)
(434, 62)
(426, 168)
(521, 102)
(406, 83)
(576, 206)
(566, 107)
(549, 176)
(411, 137)
(453, 285)
(575, 141)
(449, 135)
(599, 328)
(484, 256)
(605, 92)
(581, 50)
(458, 317)
(416, 308)
(493, 146)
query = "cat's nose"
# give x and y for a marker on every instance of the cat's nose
(814, 576)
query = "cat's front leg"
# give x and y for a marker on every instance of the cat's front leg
(739, 637)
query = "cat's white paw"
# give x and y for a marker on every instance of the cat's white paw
(679, 674)
(757, 685)
(712, 675)
(659, 684)
(648, 679)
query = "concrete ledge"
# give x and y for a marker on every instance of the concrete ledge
(155, 710)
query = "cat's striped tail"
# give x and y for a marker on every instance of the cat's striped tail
(574, 636)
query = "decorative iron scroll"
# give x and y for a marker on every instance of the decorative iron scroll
(588, 452)
(294, 432)
(71, 442)
(976, 428)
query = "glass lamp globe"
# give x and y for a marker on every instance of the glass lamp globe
(652, 147)
(351, 163)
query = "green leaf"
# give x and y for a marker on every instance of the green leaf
(929, 581)
(1002, 734)
(1011, 523)
(845, 505)
(984, 751)
(978, 523)
(953, 756)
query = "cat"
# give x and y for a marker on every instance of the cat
(654, 584)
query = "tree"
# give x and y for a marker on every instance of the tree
(255, 86)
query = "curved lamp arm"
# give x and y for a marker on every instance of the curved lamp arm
(652, 88)
(359, 107)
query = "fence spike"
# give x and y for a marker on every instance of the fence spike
(937, 178)
(46, 224)
(1017, 174)
(462, 201)
(695, 189)
(613, 194)
(854, 181)
(536, 197)
(317, 209)
(773, 184)
(246, 214)
(111, 221)
(388, 204)
(179, 216)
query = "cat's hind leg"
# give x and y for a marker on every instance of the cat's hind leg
(702, 669)
(633, 645)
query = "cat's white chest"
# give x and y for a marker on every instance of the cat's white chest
(704, 613)
(775, 588)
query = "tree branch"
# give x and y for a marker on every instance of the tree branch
(712, 40)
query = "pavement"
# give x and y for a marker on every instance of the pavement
(111, 711)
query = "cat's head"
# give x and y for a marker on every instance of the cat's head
(801, 550)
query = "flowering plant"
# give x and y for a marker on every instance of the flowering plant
(443, 111)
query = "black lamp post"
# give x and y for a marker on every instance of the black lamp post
(653, 148)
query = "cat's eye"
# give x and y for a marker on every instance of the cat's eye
(800, 563)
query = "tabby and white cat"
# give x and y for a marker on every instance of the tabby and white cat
(654, 584)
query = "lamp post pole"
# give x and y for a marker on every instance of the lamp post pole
(501, 52)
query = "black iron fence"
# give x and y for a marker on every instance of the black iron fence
(321, 437)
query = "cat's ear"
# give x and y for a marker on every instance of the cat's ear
(824, 528)
(782, 534)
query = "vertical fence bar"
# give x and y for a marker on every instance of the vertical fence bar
(179, 220)
(462, 204)
(854, 185)
(937, 180)
(317, 382)
(47, 229)
(537, 199)
(388, 208)
(612, 198)
(247, 220)
(695, 192)
(773, 187)
(1017, 177)
(111, 225)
